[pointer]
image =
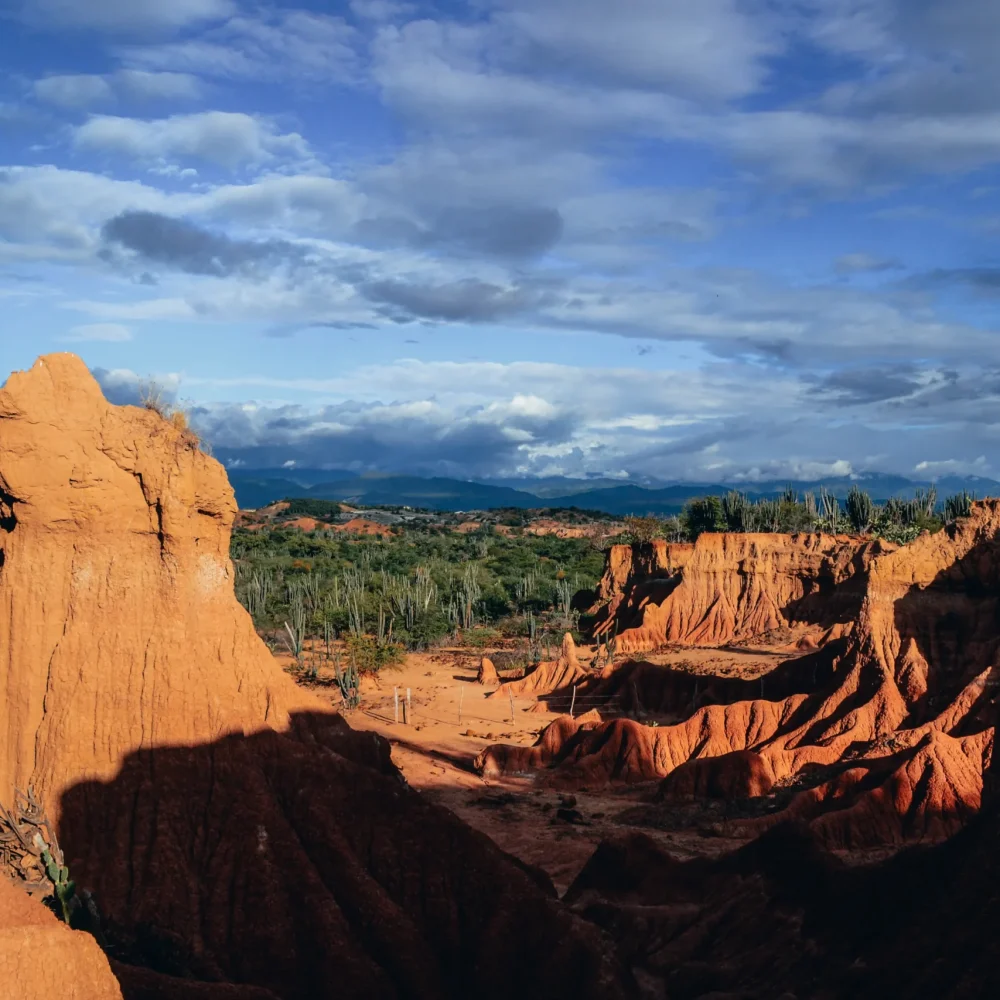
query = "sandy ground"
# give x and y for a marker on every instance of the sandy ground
(451, 720)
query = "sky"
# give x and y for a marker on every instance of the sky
(724, 240)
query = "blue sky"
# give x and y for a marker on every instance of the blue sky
(712, 240)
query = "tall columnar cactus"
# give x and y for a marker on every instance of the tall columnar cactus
(860, 509)
(736, 510)
(958, 506)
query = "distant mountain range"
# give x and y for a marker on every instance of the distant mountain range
(260, 487)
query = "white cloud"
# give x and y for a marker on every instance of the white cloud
(150, 309)
(106, 332)
(711, 49)
(273, 44)
(226, 139)
(80, 91)
(148, 86)
(73, 91)
(116, 16)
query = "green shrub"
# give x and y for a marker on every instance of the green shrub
(369, 656)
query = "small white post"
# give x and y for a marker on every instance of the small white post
(409, 713)
(395, 697)
(572, 704)
(511, 697)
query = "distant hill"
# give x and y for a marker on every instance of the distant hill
(257, 488)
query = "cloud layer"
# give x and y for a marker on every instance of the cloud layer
(724, 238)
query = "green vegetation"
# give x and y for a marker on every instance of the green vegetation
(409, 591)
(895, 520)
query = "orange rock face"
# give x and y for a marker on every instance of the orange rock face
(899, 712)
(487, 675)
(41, 957)
(233, 829)
(118, 626)
(557, 675)
(729, 587)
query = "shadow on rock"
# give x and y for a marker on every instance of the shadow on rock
(302, 865)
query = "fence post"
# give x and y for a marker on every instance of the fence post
(511, 697)
(572, 704)
(409, 712)
(395, 698)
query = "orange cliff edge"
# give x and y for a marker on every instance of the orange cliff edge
(241, 841)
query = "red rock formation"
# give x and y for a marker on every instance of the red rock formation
(234, 830)
(41, 957)
(904, 713)
(487, 675)
(728, 587)
(554, 675)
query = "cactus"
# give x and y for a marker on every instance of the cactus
(958, 506)
(348, 682)
(737, 511)
(860, 510)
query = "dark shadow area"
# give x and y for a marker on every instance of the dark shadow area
(462, 761)
(301, 864)
(638, 686)
(781, 917)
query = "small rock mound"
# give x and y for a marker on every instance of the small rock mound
(742, 774)
(487, 675)
(548, 678)
(41, 957)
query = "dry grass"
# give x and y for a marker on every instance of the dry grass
(152, 399)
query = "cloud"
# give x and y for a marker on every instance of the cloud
(713, 49)
(81, 91)
(101, 332)
(529, 418)
(73, 91)
(223, 138)
(125, 388)
(863, 263)
(271, 44)
(115, 17)
(144, 85)
(468, 300)
(163, 240)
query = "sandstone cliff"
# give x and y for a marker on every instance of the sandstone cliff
(240, 839)
(729, 587)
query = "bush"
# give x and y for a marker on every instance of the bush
(704, 515)
(370, 656)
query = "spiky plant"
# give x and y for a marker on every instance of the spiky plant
(860, 510)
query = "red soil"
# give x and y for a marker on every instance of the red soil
(361, 526)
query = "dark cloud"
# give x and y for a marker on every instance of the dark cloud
(475, 443)
(125, 388)
(869, 385)
(469, 301)
(982, 279)
(186, 247)
(504, 231)
(499, 231)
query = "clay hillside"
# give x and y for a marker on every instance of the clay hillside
(752, 766)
